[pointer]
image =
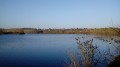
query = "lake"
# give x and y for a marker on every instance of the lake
(41, 50)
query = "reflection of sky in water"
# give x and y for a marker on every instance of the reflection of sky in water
(39, 49)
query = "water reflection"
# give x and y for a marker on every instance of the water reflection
(40, 50)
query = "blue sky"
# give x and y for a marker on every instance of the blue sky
(59, 13)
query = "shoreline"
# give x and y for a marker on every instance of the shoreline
(97, 31)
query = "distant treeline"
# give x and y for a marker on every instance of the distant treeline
(21, 31)
(98, 31)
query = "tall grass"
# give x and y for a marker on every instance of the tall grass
(74, 60)
(87, 51)
(106, 31)
(90, 55)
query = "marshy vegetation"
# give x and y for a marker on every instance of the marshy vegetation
(106, 31)
(97, 31)
(91, 56)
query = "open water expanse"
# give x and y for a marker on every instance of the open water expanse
(41, 50)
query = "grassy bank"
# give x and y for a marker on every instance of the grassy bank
(106, 31)
(96, 31)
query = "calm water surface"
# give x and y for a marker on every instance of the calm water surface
(39, 50)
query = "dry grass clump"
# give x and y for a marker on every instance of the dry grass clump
(90, 55)
(74, 60)
(87, 51)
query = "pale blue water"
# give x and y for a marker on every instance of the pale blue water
(38, 50)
